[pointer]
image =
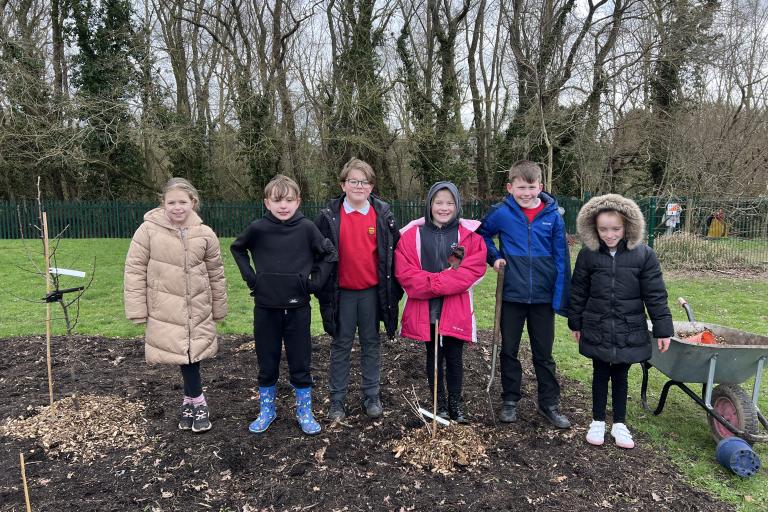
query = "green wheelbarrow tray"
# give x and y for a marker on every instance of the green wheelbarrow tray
(738, 357)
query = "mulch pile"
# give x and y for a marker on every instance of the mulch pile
(453, 447)
(86, 428)
(123, 451)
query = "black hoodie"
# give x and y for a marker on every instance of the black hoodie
(437, 242)
(291, 260)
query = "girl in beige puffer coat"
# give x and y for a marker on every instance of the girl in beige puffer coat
(174, 282)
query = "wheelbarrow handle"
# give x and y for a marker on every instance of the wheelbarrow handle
(687, 308)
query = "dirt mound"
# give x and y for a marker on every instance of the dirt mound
(87, 427)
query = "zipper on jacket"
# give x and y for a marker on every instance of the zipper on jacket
(530, 262)
(613, 297)
(185, 242)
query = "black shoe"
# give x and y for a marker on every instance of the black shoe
(187, 415)
(200, 422)
(336, 412)
(442, 407)
(456, 409)
(508, 412)
(372, 407)
(553, 415)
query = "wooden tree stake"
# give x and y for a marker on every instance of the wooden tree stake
(24, 482)
(47, 307)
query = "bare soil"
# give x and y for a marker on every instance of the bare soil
(353, 465)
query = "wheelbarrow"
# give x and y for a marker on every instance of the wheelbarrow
(720, 368)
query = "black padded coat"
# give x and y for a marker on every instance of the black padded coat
(611, 294)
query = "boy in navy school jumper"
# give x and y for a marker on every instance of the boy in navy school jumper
(535, 253)
(363, 291)
(291, 259)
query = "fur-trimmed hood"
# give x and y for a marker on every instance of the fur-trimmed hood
(634, 229)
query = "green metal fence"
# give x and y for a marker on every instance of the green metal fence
(689, 243)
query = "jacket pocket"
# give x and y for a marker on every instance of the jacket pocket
(277, 290)
(637, 330)
(591, 328)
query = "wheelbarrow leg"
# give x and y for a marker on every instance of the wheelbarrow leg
(758, 378)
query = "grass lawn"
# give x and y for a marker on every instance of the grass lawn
(681, 429)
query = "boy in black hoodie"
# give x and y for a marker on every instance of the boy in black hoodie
(291, 259)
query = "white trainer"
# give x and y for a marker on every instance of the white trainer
(596, 433)
(622, 436)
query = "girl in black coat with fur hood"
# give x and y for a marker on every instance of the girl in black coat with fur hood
(616, 279)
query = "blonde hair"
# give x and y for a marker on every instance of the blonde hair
(281, 186)
(185, 186)
(525, 170)
(360, 165)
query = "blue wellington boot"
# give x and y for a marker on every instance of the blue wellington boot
(304, 412)
(267, 412)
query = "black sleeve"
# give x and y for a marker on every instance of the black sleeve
(239, 249)
(654, 293)
(325, 257)
(397, 289)
(580, 282)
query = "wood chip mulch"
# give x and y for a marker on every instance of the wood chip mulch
(454, 447)
(100, 425)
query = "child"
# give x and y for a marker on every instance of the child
(615, 278)
(363, 291)
(535, 252)
(291, 259)
(439, 260)
(174, 282)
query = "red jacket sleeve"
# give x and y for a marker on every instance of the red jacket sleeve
(408, 271)
(470, 271)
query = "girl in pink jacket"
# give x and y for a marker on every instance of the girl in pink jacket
(438, 261)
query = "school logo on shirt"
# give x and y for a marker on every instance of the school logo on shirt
(371, 230)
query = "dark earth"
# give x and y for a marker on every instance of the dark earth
(350, 466)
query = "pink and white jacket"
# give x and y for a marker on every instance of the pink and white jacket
(457, 318)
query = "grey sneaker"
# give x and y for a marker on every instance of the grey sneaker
(186, 417)
(372, 406)
(336, 412)
(201, 423)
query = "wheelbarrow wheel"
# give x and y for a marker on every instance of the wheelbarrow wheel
(733, 404)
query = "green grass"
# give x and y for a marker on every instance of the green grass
(682, 429)
(101, 309)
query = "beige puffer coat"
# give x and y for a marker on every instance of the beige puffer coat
(174, 280)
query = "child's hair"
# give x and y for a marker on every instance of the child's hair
(623, 217)
(280, 187)
(360, 165)
(183, 185)
(525, 170)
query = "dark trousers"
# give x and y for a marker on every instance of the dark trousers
(540, 319)
(271, 328)
(358, 311)
(602, 372)
(449, 354)
(193, 385)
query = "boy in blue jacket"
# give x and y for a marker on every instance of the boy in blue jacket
(536, 285)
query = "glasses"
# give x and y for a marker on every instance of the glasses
(358, 183)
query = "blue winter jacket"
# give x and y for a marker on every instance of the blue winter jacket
(538, 262)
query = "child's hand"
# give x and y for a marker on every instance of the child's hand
(576, 335)
(501, 262)
(663, 345)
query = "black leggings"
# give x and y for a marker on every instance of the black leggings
(451, 353)
(602, 372)
(193, 386)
